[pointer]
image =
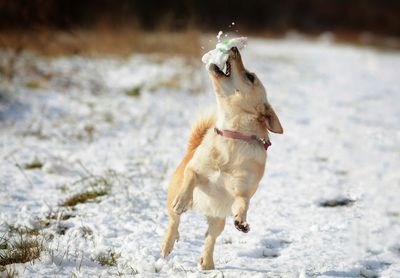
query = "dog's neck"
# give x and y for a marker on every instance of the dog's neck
(246, 123)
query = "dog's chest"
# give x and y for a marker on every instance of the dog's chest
(232, 169)
(237, 177)
(225, 170)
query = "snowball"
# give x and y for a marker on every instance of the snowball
(220, 54)
(219, 35)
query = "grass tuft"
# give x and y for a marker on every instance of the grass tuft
(32, 85)
(86, 232)
(97, 186)
(54, 217)
(83, 197)
(8, 272)
(89, 130)
(108, 259)
(134, 92)
(20, 244)
(21, 250)
(23, 230)
(33, 165)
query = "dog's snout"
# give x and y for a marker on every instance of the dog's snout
(235, 60)
(234, 52)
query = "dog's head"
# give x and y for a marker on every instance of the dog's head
(240, 91)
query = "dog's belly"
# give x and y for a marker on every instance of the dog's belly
(212, 196)
(212, 201)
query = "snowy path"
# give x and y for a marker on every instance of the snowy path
(128, 121)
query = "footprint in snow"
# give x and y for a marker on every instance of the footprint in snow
(269, 248)
(336, 202)
(372, 269)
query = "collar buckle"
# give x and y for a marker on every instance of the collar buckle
(262, 140)
(266, 143)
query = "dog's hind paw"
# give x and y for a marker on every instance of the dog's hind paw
(242, 226)
(168, 243)
(166, 250)
(206, 264)
(167, 247)
(182, 203)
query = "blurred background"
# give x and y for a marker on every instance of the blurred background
(62, 26)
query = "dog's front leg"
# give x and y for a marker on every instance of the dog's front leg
(239, 210)
(184, 199)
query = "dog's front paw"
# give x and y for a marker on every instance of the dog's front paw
(242, 226)
(182, 203)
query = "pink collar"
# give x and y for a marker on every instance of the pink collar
(240, 136)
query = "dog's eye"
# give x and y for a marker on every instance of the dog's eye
(250, 77)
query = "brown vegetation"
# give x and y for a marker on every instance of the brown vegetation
(121, 41)
(20, 245)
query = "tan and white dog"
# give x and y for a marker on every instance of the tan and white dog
(226, 157)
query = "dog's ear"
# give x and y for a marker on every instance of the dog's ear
(271, 119)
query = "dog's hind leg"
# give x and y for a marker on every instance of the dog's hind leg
(172, 233)
(184, 199)
(215, 228)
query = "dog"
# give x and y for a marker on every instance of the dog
(226, 157)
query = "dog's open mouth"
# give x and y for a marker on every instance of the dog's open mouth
(226, 71)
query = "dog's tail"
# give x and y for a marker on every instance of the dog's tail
(199, 130)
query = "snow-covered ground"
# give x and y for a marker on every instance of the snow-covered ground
(73, 124)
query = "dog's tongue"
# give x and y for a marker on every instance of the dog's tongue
(220, 54)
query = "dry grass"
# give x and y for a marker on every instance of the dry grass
(130, 39)
(19, 245)
(108, 259)
(97, 186)
(86, 232)
(22, 230)
(134, 92)
(8, 272)
(54, 217)
(33, 165)
(21, 252)
(102, 40)
(83, 197)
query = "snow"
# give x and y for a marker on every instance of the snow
(340, 108)
(220, 33)
(219, 55)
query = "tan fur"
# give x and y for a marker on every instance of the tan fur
(219, 175)
(200, 129)
(196, 137)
